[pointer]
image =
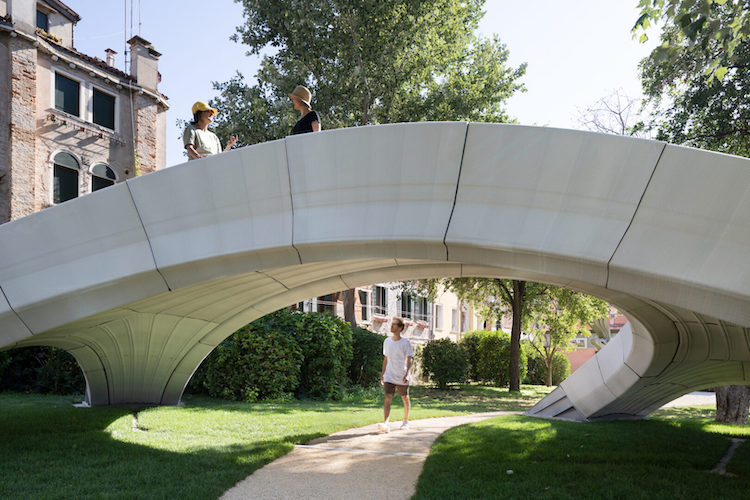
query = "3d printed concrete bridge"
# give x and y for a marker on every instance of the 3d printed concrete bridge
(141, 280)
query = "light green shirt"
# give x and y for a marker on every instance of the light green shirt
(205, 142)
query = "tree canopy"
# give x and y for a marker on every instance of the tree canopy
(366, 62)
(693, 106)
(715, 27)
(545, 311)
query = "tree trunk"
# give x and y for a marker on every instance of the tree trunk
(549, 362)
(732, 404)
(349, 315)
(519, 291)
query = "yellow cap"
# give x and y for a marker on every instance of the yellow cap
(202, 106)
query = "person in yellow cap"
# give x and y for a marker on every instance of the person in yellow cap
(309, 120)
(198, 140)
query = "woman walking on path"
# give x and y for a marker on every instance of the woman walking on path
(198, 140)
(309, 120)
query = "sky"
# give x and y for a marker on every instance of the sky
(577, 51)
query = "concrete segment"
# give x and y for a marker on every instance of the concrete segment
(141, 280)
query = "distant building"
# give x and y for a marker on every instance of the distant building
(74, 123)
(377, 305)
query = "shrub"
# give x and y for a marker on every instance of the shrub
(259, 361)
(470, 345)
(494, 359)
(326, 343)
(444, 361)
(40, 369)
(537, 371)
(254, 363)
(367, 357)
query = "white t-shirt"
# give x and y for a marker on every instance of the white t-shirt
(396, 352)
(205, 142)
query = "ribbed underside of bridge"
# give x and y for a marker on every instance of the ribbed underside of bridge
(140, 281)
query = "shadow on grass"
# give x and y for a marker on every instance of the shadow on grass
(49, 449)
(554, 459)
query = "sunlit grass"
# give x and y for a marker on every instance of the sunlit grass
(49, 449)
(668, 456)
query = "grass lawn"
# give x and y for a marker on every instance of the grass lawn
(49, 449)
(667, 456)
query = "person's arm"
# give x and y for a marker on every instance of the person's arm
(409, 361)
(192, 153)
(232, 142)
(382, 373)
(315, 126)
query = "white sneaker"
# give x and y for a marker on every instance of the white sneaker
(405, 425)
(384, 427)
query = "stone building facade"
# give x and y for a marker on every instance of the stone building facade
(70, 123)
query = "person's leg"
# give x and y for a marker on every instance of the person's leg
(407, 404)
(403, 391)
(387, 407)
(390, 389)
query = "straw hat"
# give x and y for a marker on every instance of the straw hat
(202, 106)
(302, 93)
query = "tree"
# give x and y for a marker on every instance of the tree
(555, 322)
(697, 81)
(692, 107)
(614, 114)
(732, 404)
(716, 28)
(524, 301)
(366, 62)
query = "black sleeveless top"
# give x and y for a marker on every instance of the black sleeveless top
(304, 125)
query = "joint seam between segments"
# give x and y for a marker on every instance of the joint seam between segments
(291, 196)
(148, 239)
(635, 212)
(455, 195)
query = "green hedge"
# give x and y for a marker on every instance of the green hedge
(537, 371)
(367, 357)
(254, 364)
(470, 343)
(40, 369)
(444, 361)
(282, 354)
(494, 359)
(326, 343)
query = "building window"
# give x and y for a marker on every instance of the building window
(67, 95)
(407, 305)
(104, 109)
(364, 301)
(380, 304)
(42, 22)
(101, 176)
(327, 303)
(438, 317)
(454, 320)
(64, 178)
(421, 309)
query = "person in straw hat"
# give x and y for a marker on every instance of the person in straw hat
(309, 120)
(198, 140)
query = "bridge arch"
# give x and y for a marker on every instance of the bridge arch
(186, 255)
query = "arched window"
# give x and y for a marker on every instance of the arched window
(65, 177)
(101, 176)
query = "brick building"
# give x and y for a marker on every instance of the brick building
(70, 123)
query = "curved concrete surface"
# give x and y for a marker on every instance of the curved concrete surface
(141, 280)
